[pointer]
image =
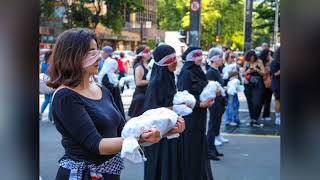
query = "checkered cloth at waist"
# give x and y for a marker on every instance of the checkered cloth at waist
(112, 166)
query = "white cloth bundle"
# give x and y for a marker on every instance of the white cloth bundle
(234, 87)
(183, 103)
(162, 119)
(209, 92)
(228, 69)
(150, 65)
(181, 109)
(126, 79)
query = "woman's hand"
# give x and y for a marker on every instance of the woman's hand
(152, 136)
(179, 128)
(207, 103)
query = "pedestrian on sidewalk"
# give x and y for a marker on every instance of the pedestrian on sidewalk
(266, 57)
(140, 72)
(84, 112)
(106, 53)
(230, 72)
(106, 56)
(111, 82)
(164, 162)
(48, 94)
(216, 111)
(123, 67)
(193, 141)
(275, 74)
(254, 89)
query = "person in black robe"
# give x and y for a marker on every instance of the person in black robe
(163, 160)
(140, 72)
(216, 111)
(116, 94)
(193, 141)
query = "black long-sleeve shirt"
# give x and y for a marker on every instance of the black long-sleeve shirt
(83, 122)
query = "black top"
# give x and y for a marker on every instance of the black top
(275, 67)
(141, 88)
(83, 122)
(221, 68)
(115, 91)
(214, 75)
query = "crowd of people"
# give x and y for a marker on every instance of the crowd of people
(87, 109)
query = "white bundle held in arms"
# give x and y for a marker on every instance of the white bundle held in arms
(162, 119)
(183, 103)
(126, 79)
(210, 91)
(234, 86)
(228, 69)
(150, 65)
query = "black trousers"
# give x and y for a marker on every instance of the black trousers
(267, 101)
(255, 99)
(216, 111)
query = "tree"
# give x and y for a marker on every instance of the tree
(263, 21)
(230, 14)
(87, 13)
(170, 13)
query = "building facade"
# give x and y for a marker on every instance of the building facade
(128, 39)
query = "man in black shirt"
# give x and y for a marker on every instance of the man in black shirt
(215, 56)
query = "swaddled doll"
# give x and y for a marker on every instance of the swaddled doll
(210, 91)
(183, 103)
(162, 119)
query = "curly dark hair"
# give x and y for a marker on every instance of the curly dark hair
(66, 62)
(249, 54)
(264, 55)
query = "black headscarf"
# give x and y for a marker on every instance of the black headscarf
(161, 88)
(191, 77)
(195, 69)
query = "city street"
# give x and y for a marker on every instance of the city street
(251, 154)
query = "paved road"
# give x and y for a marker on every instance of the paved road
(246, 157)
(252, 154)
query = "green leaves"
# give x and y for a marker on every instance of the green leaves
(88, 13)
(175, 15)
(263, 22)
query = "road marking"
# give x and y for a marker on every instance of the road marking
(251, 135)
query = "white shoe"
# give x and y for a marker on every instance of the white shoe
(222, 139)
(217, 142)
(267, 118)
(233, 124)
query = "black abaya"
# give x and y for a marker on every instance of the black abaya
(115, 91)
(163, 161)
(137, 103)
(193, 141)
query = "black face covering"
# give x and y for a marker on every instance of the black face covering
(161, 88)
